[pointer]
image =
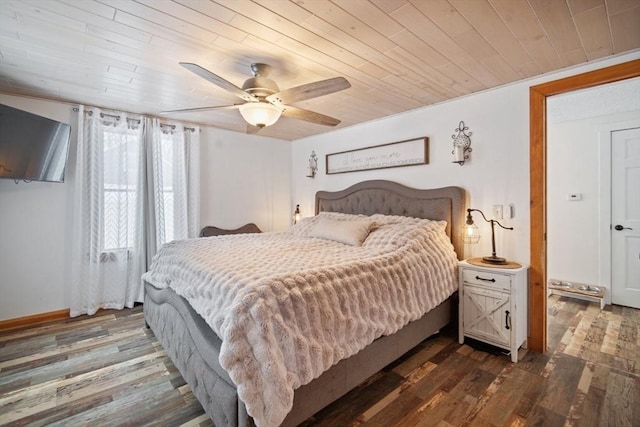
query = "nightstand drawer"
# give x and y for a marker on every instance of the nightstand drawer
(486, 278)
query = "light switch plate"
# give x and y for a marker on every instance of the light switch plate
(497, 211)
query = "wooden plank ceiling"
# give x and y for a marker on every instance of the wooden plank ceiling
(398, 55)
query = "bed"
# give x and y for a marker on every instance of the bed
(196, 349)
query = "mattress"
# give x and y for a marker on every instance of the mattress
(288, 306)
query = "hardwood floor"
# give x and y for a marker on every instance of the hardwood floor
(109, 370)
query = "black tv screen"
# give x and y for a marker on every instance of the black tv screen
(32, 147)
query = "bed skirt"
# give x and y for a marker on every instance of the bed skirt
(194, 349)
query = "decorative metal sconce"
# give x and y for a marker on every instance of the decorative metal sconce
(461, 144)
(313, 165)
(296, 215)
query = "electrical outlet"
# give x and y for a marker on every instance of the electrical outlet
(497, 211)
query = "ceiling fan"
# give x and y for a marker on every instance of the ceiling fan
(264, 101)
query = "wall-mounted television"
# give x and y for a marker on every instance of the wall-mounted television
(32, 147)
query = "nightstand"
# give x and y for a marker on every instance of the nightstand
(493, 304)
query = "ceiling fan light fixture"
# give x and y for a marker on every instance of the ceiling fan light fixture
(260, 114)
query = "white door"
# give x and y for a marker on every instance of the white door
(625, 217)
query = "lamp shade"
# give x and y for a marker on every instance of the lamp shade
(260, 114)
(470, 233)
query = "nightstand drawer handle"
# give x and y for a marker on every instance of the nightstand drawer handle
(486, 280)
(507, 320)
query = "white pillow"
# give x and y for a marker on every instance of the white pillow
(348, 232)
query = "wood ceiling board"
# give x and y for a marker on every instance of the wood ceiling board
(206, 34)
(292, 11)
(558, 24)
(449, 76)
(45, 13)
(593, 29)
(103, 27)
(190, 44)
(491, 27)
(91, 6)
(500, 68)
(349, 24)
(625, 29)
(452, 22)
(442, 84)
(343, 41)
(574, 57)
(291, 32)
(40, 32)
(372, 15)
(430, 33)
(257, 29)
(580, 6)
(616, 6)
(488, 57)
(420, 49)
(256, 19)
(208, 16)
(461, 78)
(373, 70)
(521, 20)
(389, 6)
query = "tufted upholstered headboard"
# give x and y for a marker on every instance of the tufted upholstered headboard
(391, 198)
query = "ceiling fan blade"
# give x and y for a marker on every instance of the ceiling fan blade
(195, 110)
(219, 81)
(309, 116)
(309, 90)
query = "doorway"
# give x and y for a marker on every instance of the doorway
(583, 126)
(537, 181)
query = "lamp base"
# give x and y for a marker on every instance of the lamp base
(494, 260)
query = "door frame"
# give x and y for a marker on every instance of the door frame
(538, 183)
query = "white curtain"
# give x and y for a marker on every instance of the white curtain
(136, 188)
(175, 177)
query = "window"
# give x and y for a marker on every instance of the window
(121, 162)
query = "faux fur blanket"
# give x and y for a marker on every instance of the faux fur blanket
(287, 306)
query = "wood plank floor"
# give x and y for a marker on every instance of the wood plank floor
(109, 370)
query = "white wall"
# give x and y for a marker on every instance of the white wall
(574, 163)
(243, 179)
(35, 242)
(497, 173)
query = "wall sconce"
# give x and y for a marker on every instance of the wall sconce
(313, 165)
(296, 215)
(461, 144)
(471, 234)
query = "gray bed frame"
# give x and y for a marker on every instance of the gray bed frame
(194, 348)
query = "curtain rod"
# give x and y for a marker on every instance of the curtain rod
(172, 126)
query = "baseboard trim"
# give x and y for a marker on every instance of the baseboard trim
(34, 319)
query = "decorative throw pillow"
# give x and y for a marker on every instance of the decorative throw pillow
(348, 232)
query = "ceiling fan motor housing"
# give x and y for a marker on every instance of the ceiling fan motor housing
(260, 85)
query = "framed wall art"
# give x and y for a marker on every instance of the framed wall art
(409, 152)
